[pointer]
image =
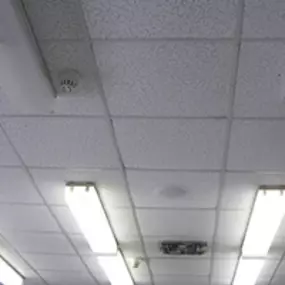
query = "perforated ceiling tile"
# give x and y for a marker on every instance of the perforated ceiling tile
(8, 157)
(240, 188)
(171, 144)
(194, 224)
(157, 19)
(110, 184)
(223, 270)
(261, 80)
(16, 186)
(174, 189)
(180, 280)
(40, 242)
(68, 277)
(264, 19)
(61, 19)
(180, 267)
(231, 228)
(66, 142)
(168, 78)
(55, 262)
(20, 217)
(257, 146)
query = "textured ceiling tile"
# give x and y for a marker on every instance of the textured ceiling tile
(264, 19)
(174, 189)
(180, 267)
(261, 80)
(68, 277)
(240, 188)
(17, 187)
(60, 19)
(55, 262)
(157, 19)
(62, 141)
(8, 157)
(34, 218)
(60, 56)
(232, 225)
(110, 184)
(166, 78)
(40, 243)
(180, 280)
(177, 223)
(257, 145)
(171, 144)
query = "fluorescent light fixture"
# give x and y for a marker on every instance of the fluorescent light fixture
(266, 217)
(86, 207)
(248, 271)
(115, 269)
(8, 276)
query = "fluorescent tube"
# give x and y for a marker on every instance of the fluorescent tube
(266, 217)
(8, 276)
(115, 269)
(86, 207)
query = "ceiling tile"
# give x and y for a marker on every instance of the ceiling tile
(68, 277)
(158, 19)
(166, 78)
(281, 269)
(249, 146)
(95, 268)
(33, 281)
(240, 188)
(223, 270)
(231, 228)
(264, 19)
(20, 217)
(180, 267)
(55, 262)
(62, 141)
(267, 271)
(123, 223)
(81, 244)
(17, 187)
(180, 279)
(39, 242)
(78, 56)
(174, 189)
(8, 157)
(171, 144)
(61, 19)
(261, 80)
(110, 184)
(179, 223)
(152, 245)
(66, 219)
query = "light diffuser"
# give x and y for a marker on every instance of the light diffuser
(248, 271)
(86, 207)
(8, 276)
(267, 215)
(115, 269)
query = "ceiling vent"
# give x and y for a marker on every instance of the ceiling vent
(183, 247)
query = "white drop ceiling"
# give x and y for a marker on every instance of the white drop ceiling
(180, 93)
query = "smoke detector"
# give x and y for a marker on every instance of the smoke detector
(69, 81)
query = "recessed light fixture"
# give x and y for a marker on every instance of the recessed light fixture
(266, 217)
(8, 276)
(115, 269)
(86, 207)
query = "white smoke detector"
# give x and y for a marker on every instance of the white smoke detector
(69, 81)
